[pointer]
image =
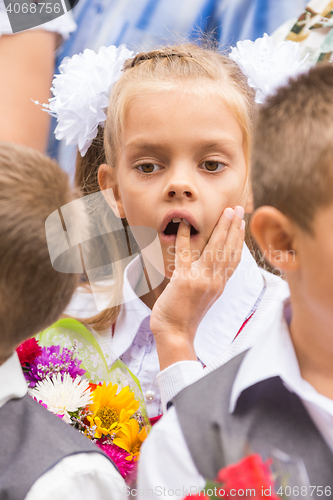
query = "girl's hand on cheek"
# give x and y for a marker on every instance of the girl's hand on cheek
(195, 286)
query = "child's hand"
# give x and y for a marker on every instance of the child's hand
(195, 286)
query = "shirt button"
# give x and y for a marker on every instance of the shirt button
(150, 395)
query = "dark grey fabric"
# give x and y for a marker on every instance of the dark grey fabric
(32, 441)
(267, 416)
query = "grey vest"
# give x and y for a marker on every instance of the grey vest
(267, 416)
(32, 441)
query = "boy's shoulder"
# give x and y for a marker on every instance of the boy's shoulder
(34, 417)
(267, 416)
(210, 394)
(35, 440)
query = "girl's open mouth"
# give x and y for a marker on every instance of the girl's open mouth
(170, 232)
(173, 225)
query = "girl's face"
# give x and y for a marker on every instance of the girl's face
(181, 156)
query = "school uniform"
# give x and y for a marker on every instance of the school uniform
(257, 401)
(250, 294)
(41, 456)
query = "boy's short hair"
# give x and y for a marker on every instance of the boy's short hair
(292, 158)
(32, 293)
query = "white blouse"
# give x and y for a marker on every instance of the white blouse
(134, 343)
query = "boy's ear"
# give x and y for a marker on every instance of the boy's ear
(109, 187)
(276, 236)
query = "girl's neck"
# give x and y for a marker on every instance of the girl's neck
(150, 298)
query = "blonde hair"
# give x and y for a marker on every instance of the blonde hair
(174, 67)
(32, 293)
(164, 69)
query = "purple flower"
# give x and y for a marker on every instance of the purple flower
(53, 360)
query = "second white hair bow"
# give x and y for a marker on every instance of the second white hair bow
(266, 65)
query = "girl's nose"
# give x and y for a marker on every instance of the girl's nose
(180, 188)
(172, 194)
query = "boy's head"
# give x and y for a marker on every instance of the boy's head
(292, 179)
(32, 293)
(293, 152)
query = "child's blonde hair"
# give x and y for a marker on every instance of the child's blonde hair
(173, 68)
(32, 293)
(165, 69)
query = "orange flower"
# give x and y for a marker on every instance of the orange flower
(130, 438)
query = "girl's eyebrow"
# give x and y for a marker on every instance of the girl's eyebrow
(136, 146)
(228, 142)
(220, 142)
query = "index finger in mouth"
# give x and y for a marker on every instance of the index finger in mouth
(183, 244)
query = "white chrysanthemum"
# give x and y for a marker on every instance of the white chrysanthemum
(81, 93)
(266, 65)
(61, 394)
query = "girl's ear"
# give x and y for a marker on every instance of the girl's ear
(109, 187)
(276, 236)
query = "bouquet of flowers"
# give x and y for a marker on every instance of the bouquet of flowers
(67, 373)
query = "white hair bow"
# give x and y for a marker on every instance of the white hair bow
(266, 65)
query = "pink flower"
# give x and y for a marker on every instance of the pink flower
(118, 456)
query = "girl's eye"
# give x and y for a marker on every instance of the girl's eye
(148, 168)
(213, 165)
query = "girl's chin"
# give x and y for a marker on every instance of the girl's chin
(170, 239)
(168, 274)
(169, 267)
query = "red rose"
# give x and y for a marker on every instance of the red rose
(249, 473)
(28, 351)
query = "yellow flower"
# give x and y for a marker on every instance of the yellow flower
(130, 438)
(110, 410)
